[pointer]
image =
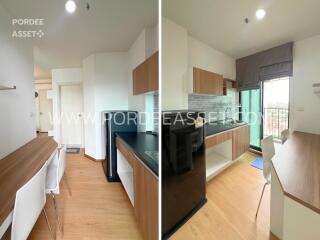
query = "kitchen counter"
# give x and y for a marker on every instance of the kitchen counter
(218, 127)
(295, 191)
(143, 146)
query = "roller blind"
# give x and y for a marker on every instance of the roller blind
(273, 63)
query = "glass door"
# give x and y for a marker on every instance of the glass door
(275, 107)
(251, 112)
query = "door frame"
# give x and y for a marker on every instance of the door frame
(261, 117)
(39, 108)
(82, 120)
(262, 95)
(56, 86)
(262, 110)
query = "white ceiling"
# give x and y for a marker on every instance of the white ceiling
(220, 23)
(110, 25)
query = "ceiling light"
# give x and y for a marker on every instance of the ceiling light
(71, 6)
(260, 14)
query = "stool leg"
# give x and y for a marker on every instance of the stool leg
(67, 183)
(261, 199)
(53, 236)
(57, 213)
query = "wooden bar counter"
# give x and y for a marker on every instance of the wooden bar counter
(19, 167)
(295, 188)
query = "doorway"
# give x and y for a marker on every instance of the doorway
(44, 111)
(266, 110)
(275, 107)
(251, 113)
(71, 109)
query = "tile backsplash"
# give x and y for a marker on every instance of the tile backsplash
(156, 112)
(215, 106)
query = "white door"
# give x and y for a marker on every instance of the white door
(45, 111)
(71, 115)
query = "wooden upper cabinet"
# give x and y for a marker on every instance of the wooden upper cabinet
(240, 141)
(153, 63)
(145, 76)
(146, 201)
(205, 82)
(140, 79)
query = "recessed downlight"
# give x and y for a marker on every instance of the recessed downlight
(260, 14)
(71, 6)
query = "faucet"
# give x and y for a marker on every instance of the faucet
(228, 109)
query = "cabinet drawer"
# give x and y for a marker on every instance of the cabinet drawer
(219, 138)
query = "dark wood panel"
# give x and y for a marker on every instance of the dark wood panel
(146, 201)
(19, 167)
(240, 141)
(205, 82)
(218, 138)
(140, 79)
(153, 71)
(297, 166)
(146, 76)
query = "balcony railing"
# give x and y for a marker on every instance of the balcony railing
(275, 121)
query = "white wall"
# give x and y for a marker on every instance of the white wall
(108, 86)
(182, 52)
(174, 66)
(205, 57)
(89, 106)
(105, 88)
(17, 107)
(63, 76)
(111, 91)
(304, 104)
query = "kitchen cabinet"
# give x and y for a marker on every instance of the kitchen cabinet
(240, 141)
(205, 82)
(219, 138)
(146, 201)
(145, 76)
(143, 188)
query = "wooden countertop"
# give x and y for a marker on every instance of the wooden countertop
(297, 166)
(19, 167)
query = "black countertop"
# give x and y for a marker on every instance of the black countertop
(139, 143)
(215, 127)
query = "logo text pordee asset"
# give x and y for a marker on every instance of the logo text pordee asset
(27, 22)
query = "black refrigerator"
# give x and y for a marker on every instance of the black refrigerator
(116, 121)
(183, 168)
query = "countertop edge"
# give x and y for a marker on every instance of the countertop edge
(137, 155)
(291, 196)
(227, 130)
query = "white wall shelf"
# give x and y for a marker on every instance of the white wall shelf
(7, 88)
(316, 87)
(125, 172)
(218, 158)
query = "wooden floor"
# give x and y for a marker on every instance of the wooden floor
(100, 210)
(96, 209)
(229, 214)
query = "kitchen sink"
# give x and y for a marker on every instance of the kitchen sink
(154, 155)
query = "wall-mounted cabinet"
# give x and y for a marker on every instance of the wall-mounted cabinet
(206, 82)
(145, 76)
